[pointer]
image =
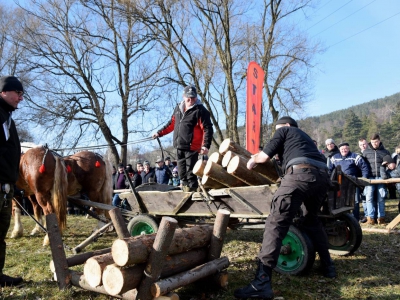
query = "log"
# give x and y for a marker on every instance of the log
(198, 168)
(57, 252)
(238, 168)
(164, 286)
(136, 250)
(157, 257)
(228, 156)
(117, 280)
(218, 173)
(94, 266)
(119, 223)
(80, 259)
(219, 232)
(216, 157)
(267, 170)
(91, 238)
(210, 183)
(229, 145)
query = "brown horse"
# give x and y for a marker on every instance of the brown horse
(90, 171)
(43, 175)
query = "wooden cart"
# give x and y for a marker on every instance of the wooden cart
(249, 206)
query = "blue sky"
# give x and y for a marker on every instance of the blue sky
(362, 61)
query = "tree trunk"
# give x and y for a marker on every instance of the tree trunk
(237, 167)
(216, 157)
(94, 267)
(218, 173)
(229, 155)
(136, 250)
(198, 168)
(210, 183)
(228, 144)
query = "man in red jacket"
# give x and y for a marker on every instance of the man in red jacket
(193, 132)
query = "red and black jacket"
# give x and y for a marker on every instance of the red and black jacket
(192, 129)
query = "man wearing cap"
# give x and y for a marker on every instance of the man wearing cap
(192, 135)
(169, 164)
(351, 164)
(306, 181)
(163, 173)
(11, 94)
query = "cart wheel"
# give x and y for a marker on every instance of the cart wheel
(142, 224)
(297, 253)
(348, 236)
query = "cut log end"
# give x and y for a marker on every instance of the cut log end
(113, 280)
(93, 272)
(120, 252)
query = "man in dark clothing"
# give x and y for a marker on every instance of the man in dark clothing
(169, 164)
(11, 94)
(374, 155)
(148, 174)
(163, 173)
(119, 184)
(306, 181)
(192, 135)
(352, 164)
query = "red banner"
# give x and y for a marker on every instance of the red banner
(255, 79)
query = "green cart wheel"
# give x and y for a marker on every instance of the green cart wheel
(142, 224)
(347, 235)
(297, 253)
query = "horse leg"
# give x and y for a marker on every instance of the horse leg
(18, 230)
(37, 210)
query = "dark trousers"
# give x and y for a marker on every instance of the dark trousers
(186, 161)
(308, 186)
(5, 218)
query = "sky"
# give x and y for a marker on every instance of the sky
(362, 58)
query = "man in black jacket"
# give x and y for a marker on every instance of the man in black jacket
(374, 155)
(306, 181)
(192, 135)
(11, 94)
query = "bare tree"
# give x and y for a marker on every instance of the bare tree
(95, 71)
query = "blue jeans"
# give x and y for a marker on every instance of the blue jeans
(359, 198)
(379, 201)
(116, 201)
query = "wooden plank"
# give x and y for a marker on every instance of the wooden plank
(162, 201)
(180, 204)
(107, 207)
(394, 222)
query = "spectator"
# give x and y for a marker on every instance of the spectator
(362, 144)
(175, 181)
(331, 150)
(354, 165)
(163, 173)
(147, 174)
(134, 176)
(114, 173)
(119, 184)
(193, 132)
(139, 167)
(11, 94)
(169, 164)
(374, 155)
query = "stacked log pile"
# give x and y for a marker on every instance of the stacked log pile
(148, 266)
(228, 168)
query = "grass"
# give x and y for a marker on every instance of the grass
(373, 272)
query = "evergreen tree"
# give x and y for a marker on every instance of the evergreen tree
(352, 129)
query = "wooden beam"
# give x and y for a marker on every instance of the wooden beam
(394, 222)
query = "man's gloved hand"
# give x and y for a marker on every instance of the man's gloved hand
(156, 135)
(204, 150)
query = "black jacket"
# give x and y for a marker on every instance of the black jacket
(374, 158)
(146, 176)
(192, 128)
(10, 149)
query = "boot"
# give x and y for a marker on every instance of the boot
(9, 281)
(328, 269)
(370, 221)
(381, 221)
(259, 287)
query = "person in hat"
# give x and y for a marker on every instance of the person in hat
(148, 174)
(169, 164)
(11, 94)
(351, 164)
(331, 150)
(119, 184)
(306, 181)
(163, 173)
(175, 181)
(193, 133)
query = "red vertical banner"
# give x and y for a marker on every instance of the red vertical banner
(255, 80)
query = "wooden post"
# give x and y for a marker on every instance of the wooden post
(135, 250)
(157, 257)
(57, 252)
(394, 222)
(219, 232)
(80, 259)
(198, 168)
(229, 145)
(119, 223)
(216, 157)
(166, 285)
(229, 155)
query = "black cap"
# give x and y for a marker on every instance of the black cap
(343, 144)
(287, 119)
(121, 166)
(190, 92)
(10, 83)
(167, 158)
